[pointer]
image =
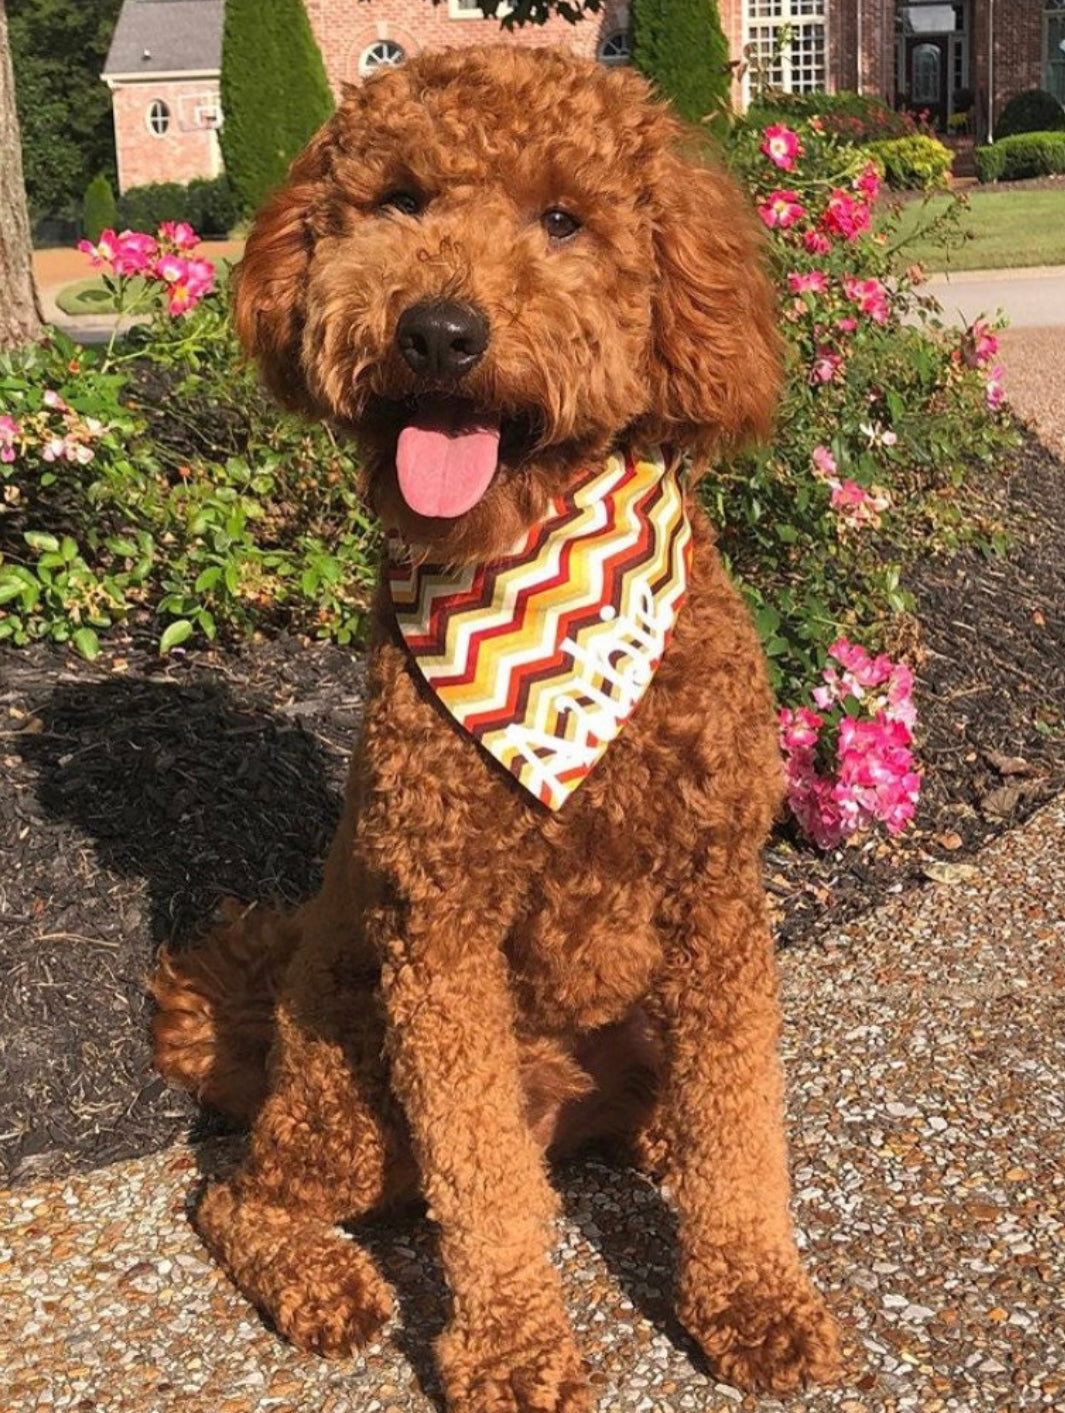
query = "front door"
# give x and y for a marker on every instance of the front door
(927, 70)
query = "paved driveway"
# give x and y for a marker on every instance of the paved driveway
(1031, 299)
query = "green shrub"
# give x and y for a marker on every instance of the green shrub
(853, 117)
(1031, 154)
(98, 209)
(680, 46)
(178, 493)
(1034, 110)
(207, 205)
(912, 162)
(275, 93)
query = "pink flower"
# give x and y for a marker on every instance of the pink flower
(826, 366)
(824, 462)
(870, 296)
(816, 243)
(799, 728)
(861, 669)
(200, 277)
(171, 268)
(54, 449)
(134, 254)
(179, 234)
(844, 216)
(812, 282)
(8, 432)
(868, 183)
(847, 325)
(996, 393)
(781, 146)
(857, 506)
(981, 344)
(781, 209)
(103, 251)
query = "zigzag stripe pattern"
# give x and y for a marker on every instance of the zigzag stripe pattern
(542, 656)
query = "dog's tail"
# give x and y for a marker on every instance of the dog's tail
(215, 1021)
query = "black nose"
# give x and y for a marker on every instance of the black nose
(442, 338)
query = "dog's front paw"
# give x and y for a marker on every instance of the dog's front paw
(765, 1332)
(334, 1303)
(521, 1367)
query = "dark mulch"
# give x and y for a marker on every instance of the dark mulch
(134, 794)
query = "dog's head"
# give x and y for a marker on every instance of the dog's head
(492, 265)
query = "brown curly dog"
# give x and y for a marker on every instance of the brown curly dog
(482, 980)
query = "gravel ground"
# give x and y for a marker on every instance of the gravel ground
(1034, 360)
(926, 1059)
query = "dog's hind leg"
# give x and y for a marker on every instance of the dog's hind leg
(215, 1019)
(327, 1146)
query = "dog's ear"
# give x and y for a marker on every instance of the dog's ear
(716, 357)
(269, 283)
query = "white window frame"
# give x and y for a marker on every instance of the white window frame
(168, 112)
(365, 70)
(615, 61)
(1052, 10)
(791, 13)
(470, 10)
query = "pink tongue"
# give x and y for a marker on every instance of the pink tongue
(444, 471)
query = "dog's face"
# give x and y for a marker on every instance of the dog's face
(492, 265)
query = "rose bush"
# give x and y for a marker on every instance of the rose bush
(152, 479)
(885, 412)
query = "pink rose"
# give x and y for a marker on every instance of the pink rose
(781, 146)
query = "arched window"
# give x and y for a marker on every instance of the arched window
(385, 54)
(615, 48)
(158, 118)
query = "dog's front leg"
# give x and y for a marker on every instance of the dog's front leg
(454, 1057)
(742, 1292)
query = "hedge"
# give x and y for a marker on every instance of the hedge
(857, 117)
(98, 209)
(207, 205)
(913, 162)
(275, 93)
(1031, 154)
(1034, 110)
(680, 46)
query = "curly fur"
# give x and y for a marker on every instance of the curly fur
(479, 981)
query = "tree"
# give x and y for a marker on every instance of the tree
(20, 313)
(58, 48)
(274, 92)
(99, 211)
(680, 46)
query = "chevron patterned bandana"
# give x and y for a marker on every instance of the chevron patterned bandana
(543, 656)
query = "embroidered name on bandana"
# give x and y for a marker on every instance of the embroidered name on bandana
(543, 656)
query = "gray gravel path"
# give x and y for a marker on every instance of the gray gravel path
(926, 1058)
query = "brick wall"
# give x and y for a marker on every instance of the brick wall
(1018, 52)
(186, 150)
(345, 30)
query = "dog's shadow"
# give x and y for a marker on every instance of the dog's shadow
(184, 787)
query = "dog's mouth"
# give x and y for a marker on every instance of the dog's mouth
(447, 455)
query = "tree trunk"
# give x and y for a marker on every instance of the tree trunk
(20, 312)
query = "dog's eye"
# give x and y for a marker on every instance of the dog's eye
(406, 201)
(559, 224)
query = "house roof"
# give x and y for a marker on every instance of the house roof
(167, 36)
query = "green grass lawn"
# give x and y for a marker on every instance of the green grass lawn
(1006, 228)
(91, 297)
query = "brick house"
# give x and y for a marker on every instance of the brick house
(946, 56)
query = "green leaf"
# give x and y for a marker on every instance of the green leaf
(178, 632)
(87, 643)
(40, 541)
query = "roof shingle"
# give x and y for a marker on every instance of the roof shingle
(166, 36)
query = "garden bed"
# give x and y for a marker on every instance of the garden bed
(136, 791)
